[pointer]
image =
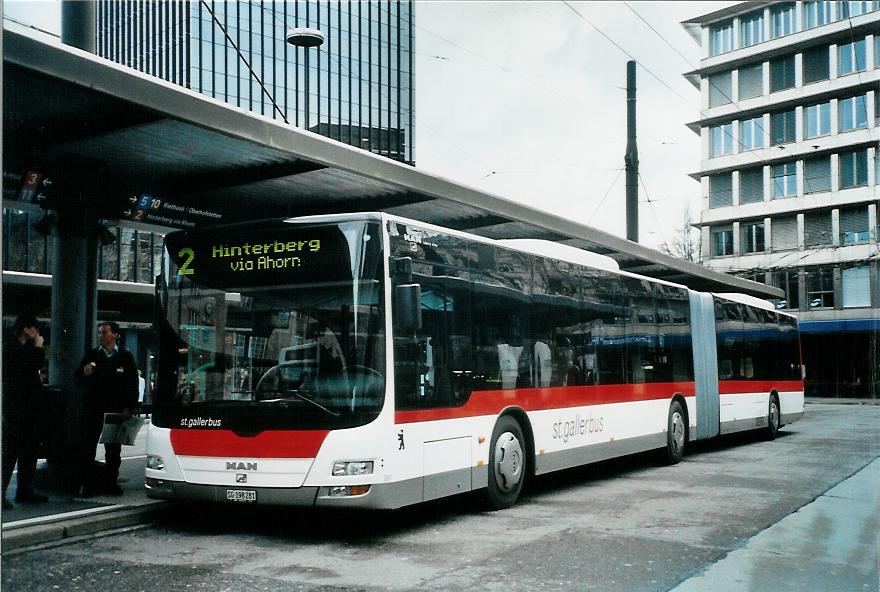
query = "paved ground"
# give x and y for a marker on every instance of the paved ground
(737, 514)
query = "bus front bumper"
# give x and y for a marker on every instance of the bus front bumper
(377, 497)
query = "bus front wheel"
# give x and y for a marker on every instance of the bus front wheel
(772, 419)
(507, 463)
(676, 434)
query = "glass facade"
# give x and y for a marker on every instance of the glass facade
(133, 257)
(360, 80)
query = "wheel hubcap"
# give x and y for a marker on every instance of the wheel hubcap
(774, 415)
(508, 461)
(677, 431)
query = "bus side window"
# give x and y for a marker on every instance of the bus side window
(432, 368)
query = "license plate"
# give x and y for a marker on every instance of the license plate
(241, 495)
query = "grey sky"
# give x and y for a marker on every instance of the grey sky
(526, 100)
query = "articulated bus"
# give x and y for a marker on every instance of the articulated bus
(365, 360)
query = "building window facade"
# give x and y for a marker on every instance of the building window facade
(817, 229)
(751, 81)
(788, 281)
(751, 185)
(782, 20)
(751, 28)
(784, 177)
(722, 241)
(722, 139)
(817, 13)
(855, 287)
(851, 57)
(783, 127)
(816, 64)
(360, 80)
(24, 249)
(853, 113)
(721, 38)
(720, 190)
(752, 237)
(817, 174)
(817, 120)
(784, 233)
(820, 287)
(720, 89)
(751, 133)
(782, 73)
(851, 8)
(854, 226)
(853, 169)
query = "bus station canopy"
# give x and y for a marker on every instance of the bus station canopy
(126, 133)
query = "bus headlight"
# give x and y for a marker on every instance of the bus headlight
(155, 462)
(358, 467)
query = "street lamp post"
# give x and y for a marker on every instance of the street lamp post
(305, 37)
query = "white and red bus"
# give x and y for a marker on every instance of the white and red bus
(365, 360)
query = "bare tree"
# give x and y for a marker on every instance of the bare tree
(686, 242)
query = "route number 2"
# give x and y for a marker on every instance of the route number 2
(185, 269)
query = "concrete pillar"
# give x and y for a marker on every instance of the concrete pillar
(835, 227)
(74, 301)
(802, 289)
(832, 64)
(799, 177)
(835, 173)
(78, 23)
(765, 83)
(705, 243)
(737, 247)
(838, 288)
(873, 223)
(874, 274)
(800, 232)
(735, 183)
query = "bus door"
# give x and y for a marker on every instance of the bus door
(705, 364)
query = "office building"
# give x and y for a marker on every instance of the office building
(359, 88)
(789, 171)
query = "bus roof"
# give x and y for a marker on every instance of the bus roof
(532, 246)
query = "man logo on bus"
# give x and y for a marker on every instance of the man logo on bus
(240, 466)
(400, 440)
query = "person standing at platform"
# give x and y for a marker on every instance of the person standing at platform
(23, 359)
(109, 376)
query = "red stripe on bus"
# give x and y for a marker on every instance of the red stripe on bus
(538, 399)
(736, 387)
(268, 444)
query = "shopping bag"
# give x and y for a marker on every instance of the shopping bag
(119, 429)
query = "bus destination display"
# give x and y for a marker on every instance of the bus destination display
(254, 257)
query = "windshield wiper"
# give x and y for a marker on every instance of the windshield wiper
(303, 398)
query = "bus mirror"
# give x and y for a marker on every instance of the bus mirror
(409, 307)
(401, 270)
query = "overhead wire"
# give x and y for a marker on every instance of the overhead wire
(654, 213)
(629, 55)
(607, 192)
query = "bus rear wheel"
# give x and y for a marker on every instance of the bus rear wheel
(507, 463)
(676, 434)
(773, 418)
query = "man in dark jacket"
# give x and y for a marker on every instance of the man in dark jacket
(109, 376)
(23, 358)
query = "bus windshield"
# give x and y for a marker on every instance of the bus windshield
(278, 326)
